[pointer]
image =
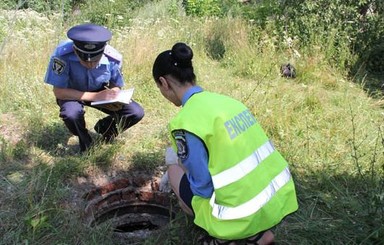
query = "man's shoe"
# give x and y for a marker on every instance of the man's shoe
(107, 128)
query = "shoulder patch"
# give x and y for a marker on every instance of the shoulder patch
(58, 65)
(181, 143)
(113, 53)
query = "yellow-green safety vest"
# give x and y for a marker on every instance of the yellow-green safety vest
(253, 188)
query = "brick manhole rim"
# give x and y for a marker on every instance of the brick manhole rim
(134, 207)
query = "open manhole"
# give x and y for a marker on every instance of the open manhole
(134, 207)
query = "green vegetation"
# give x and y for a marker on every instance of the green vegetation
(328, 121)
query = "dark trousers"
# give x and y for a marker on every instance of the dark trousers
(72, 112)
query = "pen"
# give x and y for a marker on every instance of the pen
(106, 88)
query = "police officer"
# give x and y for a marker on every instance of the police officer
(85, 69)
(226, 172)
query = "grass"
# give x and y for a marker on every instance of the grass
(324, 122)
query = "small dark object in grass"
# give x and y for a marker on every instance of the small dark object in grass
(288, 71)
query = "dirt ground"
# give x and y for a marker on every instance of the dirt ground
(10, 129)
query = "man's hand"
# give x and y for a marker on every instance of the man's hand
(73, 94)
(171, 156)
(107, 94)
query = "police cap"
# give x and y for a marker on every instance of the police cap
(89, 39)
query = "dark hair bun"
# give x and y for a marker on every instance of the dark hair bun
(182, 54)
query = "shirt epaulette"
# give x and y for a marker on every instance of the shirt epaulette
(64, 48)
(113, 53)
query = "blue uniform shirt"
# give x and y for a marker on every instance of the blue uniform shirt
(197, 160)
(65, 71)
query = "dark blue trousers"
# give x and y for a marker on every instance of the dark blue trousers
(72, 112)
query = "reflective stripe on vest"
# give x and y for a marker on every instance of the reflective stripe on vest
(253, 205)
(244, 167)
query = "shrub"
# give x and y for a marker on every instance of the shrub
(39, 5)
(111, 13)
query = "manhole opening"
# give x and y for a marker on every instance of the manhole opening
(132, 211)
(135, 217)
(135, 226)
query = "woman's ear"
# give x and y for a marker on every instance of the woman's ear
(163, 82)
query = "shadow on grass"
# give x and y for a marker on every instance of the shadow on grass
(48, 137)
(336, 209)
(56, 139)
(368, 70)
(373, 84)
